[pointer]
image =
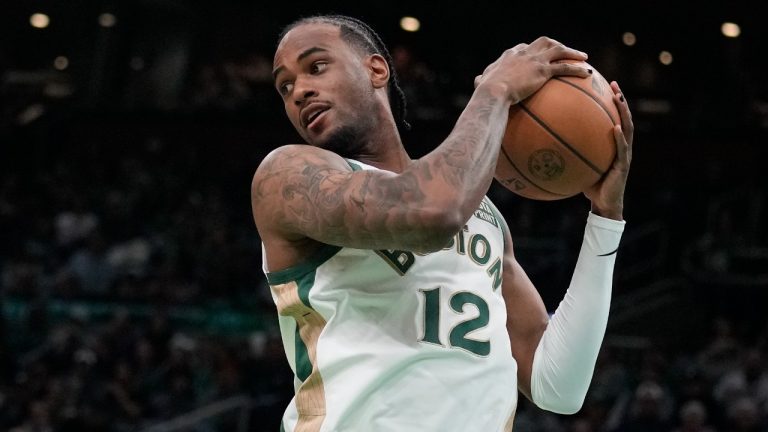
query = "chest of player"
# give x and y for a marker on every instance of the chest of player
(475, 252)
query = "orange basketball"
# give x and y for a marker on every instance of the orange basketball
(559, 141)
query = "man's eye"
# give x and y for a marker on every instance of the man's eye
(318, 67)
(285, 88)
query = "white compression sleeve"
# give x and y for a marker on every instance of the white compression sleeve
(565, 357)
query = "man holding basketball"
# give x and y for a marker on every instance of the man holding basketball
(401, 304)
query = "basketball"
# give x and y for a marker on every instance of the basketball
(559, 141)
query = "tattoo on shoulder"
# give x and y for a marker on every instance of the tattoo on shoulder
(319, 200)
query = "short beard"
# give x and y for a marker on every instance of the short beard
(347, 141)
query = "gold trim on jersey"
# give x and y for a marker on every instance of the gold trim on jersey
(310, 396)
(510, 421)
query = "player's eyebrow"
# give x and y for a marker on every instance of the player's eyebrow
(309, 51)
(304, 54)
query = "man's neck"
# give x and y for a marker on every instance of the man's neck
(395, 161)
(386, 151)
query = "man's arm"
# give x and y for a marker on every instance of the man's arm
(527, 316)
(301, 192)
(556, 358)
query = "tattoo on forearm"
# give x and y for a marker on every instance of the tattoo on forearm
(472, 146)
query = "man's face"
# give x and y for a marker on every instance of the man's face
(327, 93)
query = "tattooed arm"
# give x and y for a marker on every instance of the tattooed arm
(302, 191)
(306, 191)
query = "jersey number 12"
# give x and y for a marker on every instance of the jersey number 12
(457, 336)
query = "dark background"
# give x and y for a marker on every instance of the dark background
(130, 270)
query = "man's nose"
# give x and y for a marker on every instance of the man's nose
(305, 93)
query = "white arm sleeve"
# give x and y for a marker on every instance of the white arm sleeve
(565, 357)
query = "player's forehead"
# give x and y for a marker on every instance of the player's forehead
(306, 36)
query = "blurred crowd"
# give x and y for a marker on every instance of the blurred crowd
(104, 262)
(127, 374)
(721, 386)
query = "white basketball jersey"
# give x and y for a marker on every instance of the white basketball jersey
(395, 341)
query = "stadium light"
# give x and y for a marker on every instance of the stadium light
(665, 57)
(731, 30)
(107, 20)
(410, 24)
(629, 38)
(39, 20)
(61, 63)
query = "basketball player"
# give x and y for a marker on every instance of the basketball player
(401, 305)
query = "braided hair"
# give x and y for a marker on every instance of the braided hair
(362, 36)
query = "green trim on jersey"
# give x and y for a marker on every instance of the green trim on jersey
(354, 166)
(303, 363)
(323, 254)
(305, 284)
(502, 223)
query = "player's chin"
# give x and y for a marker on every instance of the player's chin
(345, 141)
(324, 138)
(316, 140)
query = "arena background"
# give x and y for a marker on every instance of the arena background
(131, 292)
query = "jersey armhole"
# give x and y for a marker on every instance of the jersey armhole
(502, 223)
(323, 254)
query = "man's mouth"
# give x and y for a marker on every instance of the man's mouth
(312, 117)
(312, 112)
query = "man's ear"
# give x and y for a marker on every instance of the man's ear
(378, 69)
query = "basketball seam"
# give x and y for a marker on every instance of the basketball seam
(504, 151)
(596, 100)
(560, 139)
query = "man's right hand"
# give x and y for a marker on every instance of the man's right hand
(522, 70)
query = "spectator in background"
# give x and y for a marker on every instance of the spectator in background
(693, 418)
(694, 387)
(611, 377)
(747, 379)
(420, 85)
(91, 268)
(582, 425)
(722, 351)
(744, 416)
(75, 223)
(231, 84)
(38, 419)
(648, 411)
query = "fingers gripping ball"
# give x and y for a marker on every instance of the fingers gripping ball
(559, 141)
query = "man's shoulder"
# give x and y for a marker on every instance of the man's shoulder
(287, 153)
(298, 156)
(282, 185)
(289, 168)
